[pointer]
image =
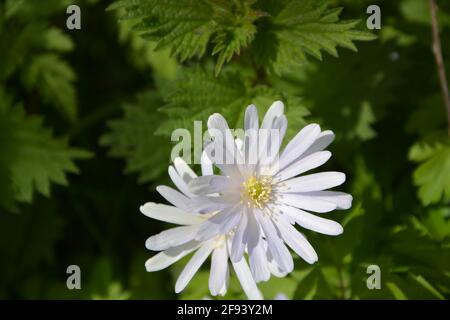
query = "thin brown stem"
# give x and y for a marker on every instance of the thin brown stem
(437, 51)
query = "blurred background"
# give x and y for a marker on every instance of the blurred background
(86, 117)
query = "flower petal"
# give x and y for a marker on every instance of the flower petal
(275, 110)
(312, 222)
(205, 185)
(171, 238)
(178, 181)
(238, 245)
(253, 230)
(299, 144)
(313, 182)
(224, 142)
(251, 118)
(175, 197)
(324, 139)
(276, 246)
(219, 269)
(304, 164)
(297, 241)
(193, 265)
(247, 282)
(306, 202)
(184, 171)
(221, 223)
(164, 259)
(259, 265)
(206, 162)
(343, 201)
(169, 214)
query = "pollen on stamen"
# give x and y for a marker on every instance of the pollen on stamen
(257, 191)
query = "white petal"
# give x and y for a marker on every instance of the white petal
(184, 171)
(171, 238)
(343, 201)
(179, 182)
(221, 223)
(251, 118)
(223, 140)
(174, 197)
(247, 282)
(206, 163)
(238, 245)
(272, 264)
(276, 246)
(275, 110)
(313, 182)
(206, 204)
(276, 270)
(306, 202)
(304, 164)
(169, 214)
(219, 269)
(270, 142)
(273, 148)
(324, 139)
(299, 144)
(210, 184)
(253, 230)
(312, 222)
(297, 241)
(223, 290)
(259, 265)
(193, 265)
(166, 258)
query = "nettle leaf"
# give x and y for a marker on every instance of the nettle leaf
(133, 138)
(303, 28)
(433, 174)
(53, 78)
(189, 26)
(56, 39)
(37, 158)
(197, 95)
(32, 48)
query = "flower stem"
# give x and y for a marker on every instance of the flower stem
(437, 51)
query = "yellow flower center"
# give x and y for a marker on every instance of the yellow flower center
(257, 191)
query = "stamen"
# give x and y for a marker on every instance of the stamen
(257, 191)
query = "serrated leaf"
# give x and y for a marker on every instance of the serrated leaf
(303, 28)
(188, 27)
(53, 78)
(38, 159)
(133, 138)
(433, 175)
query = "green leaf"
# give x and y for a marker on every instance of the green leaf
(425, 284)
(396, 291)
(188, 27)
(132, 137)
(38, 159)
(301, 29)
(433, 174)
(56, 39)
(53, 78)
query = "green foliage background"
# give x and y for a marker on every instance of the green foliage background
(86, 118)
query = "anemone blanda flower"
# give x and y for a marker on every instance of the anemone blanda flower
(261, 201)
(191, 212)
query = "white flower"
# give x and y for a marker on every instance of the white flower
(261, 201)
(191, 212)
